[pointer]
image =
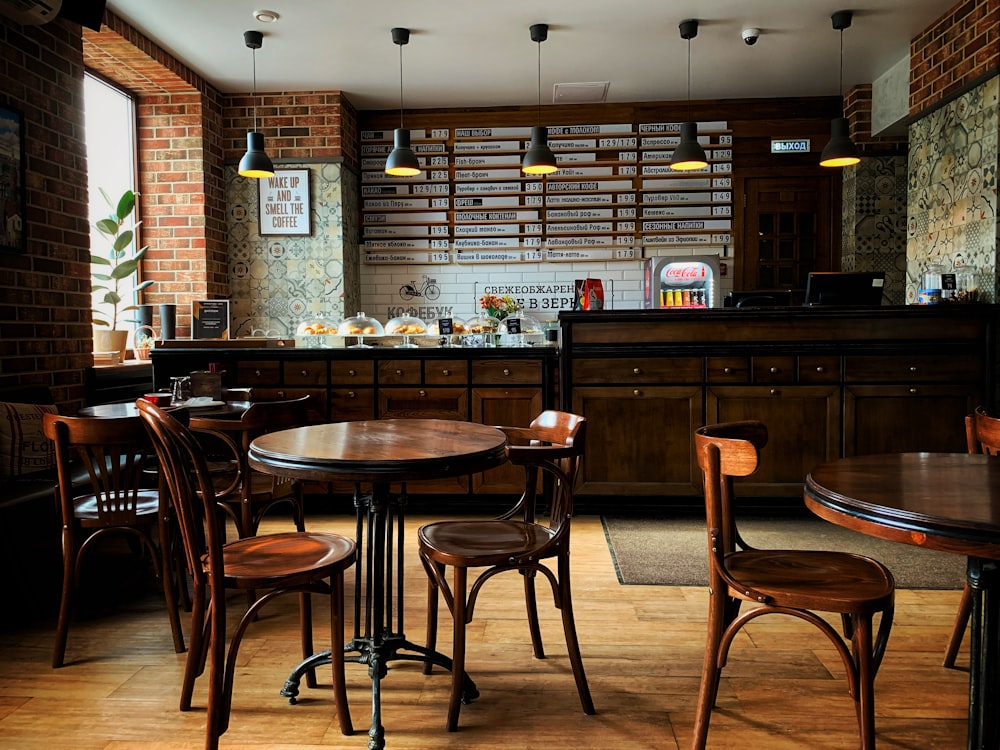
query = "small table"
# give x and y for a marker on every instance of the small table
(942, 501)
(229, 410)
(378, 453)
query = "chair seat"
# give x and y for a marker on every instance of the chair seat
(480, 543)
(147, 507)
(267, 561)
(807, 579)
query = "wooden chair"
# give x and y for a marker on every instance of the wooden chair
(120, 501)
(553, 444)
(982, 435)
(293, 562)
(792, 582)
(250, 494)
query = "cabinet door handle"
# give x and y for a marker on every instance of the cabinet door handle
(352, 394)
(727, 370)
(506, 371)
(636, 392)
(352, 372)
(422, 393)
(637, 371)
(820, 368)
(256, 373)
(775, 392)
(399, 372)
(305, 372)
(775, 370)
(913, 391)
(281, 394)
(446, 371)
(913, 368)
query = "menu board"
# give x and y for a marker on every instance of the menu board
(613, 195)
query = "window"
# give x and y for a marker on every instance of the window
(110, 122)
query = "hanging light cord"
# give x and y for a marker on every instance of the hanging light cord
(689, 79)
(254, 94)
(539, 44)
(400, 85)
(840, 90)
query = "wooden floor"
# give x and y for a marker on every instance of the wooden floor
(642, 648)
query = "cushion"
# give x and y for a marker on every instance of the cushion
(23, 445)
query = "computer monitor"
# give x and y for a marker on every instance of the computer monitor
(845, 288)
(758, 298)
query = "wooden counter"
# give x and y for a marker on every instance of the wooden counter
(828, 382)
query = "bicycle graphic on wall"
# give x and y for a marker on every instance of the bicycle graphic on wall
(428, 289)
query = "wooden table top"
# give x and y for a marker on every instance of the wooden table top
(380, 450)
(943, 501)
(229, 411)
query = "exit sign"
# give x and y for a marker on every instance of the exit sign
(790, 146)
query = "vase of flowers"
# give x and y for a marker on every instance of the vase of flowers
(497, 306)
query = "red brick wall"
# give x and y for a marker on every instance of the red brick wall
(959, 48)
(45, 329)
(858, 111)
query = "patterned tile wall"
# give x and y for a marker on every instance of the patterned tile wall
(874, 222)
(952, 189)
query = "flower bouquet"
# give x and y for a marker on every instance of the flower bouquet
(498, 307)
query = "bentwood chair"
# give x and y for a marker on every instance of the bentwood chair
(294, 562)
(982, 435)
(552, 444)
(119, 501)
(253, 493)
(792, 582)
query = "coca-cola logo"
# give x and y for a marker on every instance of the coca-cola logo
(684, 272)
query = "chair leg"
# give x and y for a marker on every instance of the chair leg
(306, 636)
(197, 649)
(167, 578)
(865, 698)
(958, 630)
(572, 643)
(432, 615)
(65, 601)
(458, 613)
(718, 606)
(337, 653)
(217, 719)
(531, 605)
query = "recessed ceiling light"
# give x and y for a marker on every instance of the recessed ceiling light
(265, 16)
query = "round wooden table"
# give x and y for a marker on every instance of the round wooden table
(378, 453)
(942, 501)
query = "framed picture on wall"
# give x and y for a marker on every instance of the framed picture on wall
(284, 202)
(13, 227)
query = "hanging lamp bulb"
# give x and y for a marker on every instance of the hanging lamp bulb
(539, 159)
(840, 151)
(402, 162)
(255, 162)
(689, 154)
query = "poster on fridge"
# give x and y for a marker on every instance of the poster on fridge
(690, 282)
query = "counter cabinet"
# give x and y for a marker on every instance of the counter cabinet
(826, 382)
(502, 386)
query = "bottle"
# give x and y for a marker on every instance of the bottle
(686, 298)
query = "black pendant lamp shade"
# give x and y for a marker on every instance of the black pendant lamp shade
(539, 159)
(689, 154)
(840, 151)
(255, 162)
(402, 162)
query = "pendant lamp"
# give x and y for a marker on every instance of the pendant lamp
(539, 158)
(402, 162)
(689, 154)
(840, 151)
(255, 162)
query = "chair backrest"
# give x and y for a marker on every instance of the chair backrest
(725, 451)
(982, 433)
(114, 451)
(554, 443)
(189, 481)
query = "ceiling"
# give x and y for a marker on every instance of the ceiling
(469, 53)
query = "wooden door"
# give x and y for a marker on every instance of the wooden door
(787, 231)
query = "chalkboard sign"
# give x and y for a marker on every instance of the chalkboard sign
(284, 202)
(210, 319)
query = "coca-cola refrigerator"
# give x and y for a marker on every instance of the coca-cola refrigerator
(681, 282)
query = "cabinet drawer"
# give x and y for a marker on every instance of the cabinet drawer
(423, 403)
(638, 370)
(773, 369)
(399, 372)
(445, 372)
(819, 369)
(307, 372)
(506, 371)
(352, 371)
(251, 373)
(351, 405)
(965, 368)
(727, 369)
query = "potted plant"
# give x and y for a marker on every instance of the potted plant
(110, 270)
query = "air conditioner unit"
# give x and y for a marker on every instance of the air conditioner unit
(30, 12)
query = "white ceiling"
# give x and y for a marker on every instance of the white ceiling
(478, 54)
